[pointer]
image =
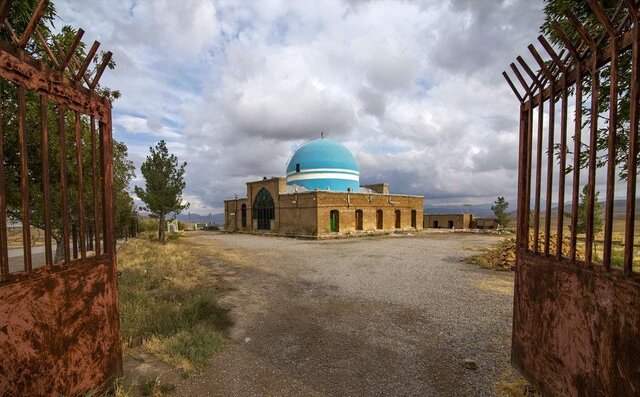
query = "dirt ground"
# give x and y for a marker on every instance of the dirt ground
(393, 315)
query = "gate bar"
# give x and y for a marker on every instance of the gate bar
(94, 168)
(550, 138)
(44, 142)
(24, 175)
(63, 183)
(83, 248)
(4, 253)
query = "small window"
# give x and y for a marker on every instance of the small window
(298, 167)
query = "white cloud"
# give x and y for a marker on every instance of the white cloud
(414, 89)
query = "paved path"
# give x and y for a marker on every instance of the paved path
(362, 317)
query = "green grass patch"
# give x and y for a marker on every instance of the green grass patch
(168, 299)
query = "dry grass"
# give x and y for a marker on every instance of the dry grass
(14, 237)
(169, 301)
(518, 387)
(495, 284)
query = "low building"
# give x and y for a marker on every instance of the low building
(321, 196)
(485, 223)
(447, 221)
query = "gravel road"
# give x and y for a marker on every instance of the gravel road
(393, 315)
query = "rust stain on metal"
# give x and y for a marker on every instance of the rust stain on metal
(59, 333)
(576, 330)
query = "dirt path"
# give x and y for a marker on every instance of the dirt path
(373, 316)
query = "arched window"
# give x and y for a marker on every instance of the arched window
(334, 221)
(379, 221)
(358, 219)
(398, 220)
(264, 209)
(243, 212)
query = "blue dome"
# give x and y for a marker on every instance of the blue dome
(324, 164)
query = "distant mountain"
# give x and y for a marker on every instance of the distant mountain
(216, 218)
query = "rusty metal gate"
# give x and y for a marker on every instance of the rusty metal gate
(59, 324)
(576, 321)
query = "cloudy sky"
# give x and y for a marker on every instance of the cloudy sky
(414, 89)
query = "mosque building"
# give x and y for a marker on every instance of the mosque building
(321, 196)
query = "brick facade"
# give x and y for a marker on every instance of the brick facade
(309, 213)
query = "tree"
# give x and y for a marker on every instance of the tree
(163, 185)
(554, 11)
(581, 226)
(500, 211)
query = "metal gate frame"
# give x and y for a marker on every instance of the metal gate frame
(576, 322)
(59, 324)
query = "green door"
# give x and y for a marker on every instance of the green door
(333, 221)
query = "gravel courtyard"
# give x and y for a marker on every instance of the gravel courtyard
(393, 315)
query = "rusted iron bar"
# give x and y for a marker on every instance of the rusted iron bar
(46, 196)
(521, 80)
(550, 132)
(523, 233)
(613, 124)
(47, 49)
(562, 166)
(549, 185)
(72, 49)
(632, 7)
(95, 190)
(58, 90)
(632, 166)
(593, 141)
(75, 62)
(12, 33)
(5, 6)
(566, 40)
(33, 23)
(87, 61)
(109, 221)
(577, 149)
(81, 223)
(105, 62)
(513, 87)
(527, 194)
(583, 33)
(103, 159)
(63, 183)
(604, 20)
(24, 177)
(552, 53)
(4, 252)
(536, 205)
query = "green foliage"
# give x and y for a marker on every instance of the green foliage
(499, 209)
(554, 11)
(598, 210)
(164, 182)
(148, 225)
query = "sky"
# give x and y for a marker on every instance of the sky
(413, 89)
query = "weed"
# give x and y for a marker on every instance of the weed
(154, 388)
(168, 299)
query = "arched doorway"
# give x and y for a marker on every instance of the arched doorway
(358, 219)
(334, 221)
(398, 220)
(243, 212)
(264, 209)
(379, 223)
